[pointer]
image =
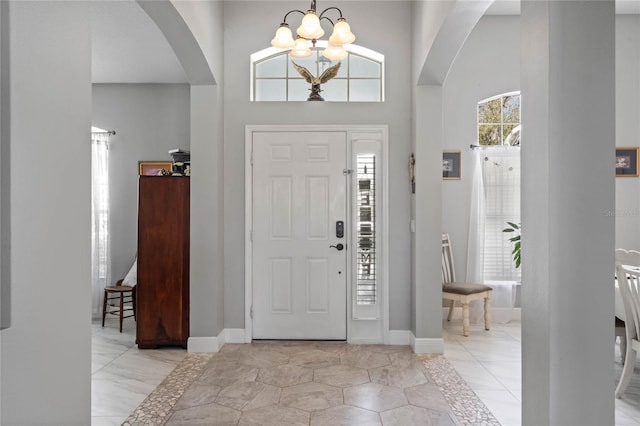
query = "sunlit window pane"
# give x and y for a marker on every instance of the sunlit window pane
(271, 90)
(344, 68)
(299, 90)
(511, 108)
(364, 90)
(335, 90)
(499, 120)
(490, 112)
(275, 78)
(489, 134)
(308, 63)
(506, 129)
(362, 67)
(274, 67)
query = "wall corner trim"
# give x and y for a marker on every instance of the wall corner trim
(399, 337)
(203, 344)
(214, 344)
(234, 335)
(427, 345)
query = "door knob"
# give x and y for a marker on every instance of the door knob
(338, 247)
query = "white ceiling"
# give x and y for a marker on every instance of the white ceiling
(512, 7)
(128, 47)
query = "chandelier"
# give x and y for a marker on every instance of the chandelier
(310, 31)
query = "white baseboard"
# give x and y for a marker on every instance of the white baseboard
(203, 344)
(364, 341)
(234, 335)
(427, 345)
(396, 337)
(399, 337)
(213, 344)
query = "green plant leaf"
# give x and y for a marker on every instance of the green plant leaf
(513, 227)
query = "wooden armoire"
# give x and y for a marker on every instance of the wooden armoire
(163, 262)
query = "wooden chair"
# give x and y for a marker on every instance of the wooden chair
(460, 291)
(620, 331)
(118, 300)
(628, 277)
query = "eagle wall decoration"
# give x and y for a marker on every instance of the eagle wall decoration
(326, 75)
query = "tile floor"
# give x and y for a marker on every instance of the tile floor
(123, 376)
(313, 383)
(490, 363)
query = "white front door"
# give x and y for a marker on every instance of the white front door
(299, 193)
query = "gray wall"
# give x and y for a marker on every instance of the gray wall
(149, 119)
(367, 24)
(46, 353)
(627, 208)
(488, 64)
(5, 170)
(568, 86)
(206, 315)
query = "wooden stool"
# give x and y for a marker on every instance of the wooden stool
(122, 293)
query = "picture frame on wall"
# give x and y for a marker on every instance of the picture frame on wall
(451, 165)
(627, 162)
(155, 168)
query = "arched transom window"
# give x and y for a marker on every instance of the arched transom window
(360, 78)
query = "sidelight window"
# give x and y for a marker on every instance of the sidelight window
(366, 289)
(367, 225)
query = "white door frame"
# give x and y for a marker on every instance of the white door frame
(354, 326)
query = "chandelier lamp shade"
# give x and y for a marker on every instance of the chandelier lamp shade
(310, 30)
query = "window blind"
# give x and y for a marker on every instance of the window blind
(501, 175)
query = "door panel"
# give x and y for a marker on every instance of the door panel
(317, 208)
(281, 189)
(299, 192)
(318, 286)
(280, 286)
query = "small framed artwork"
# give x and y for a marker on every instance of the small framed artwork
(626, 162)
(451, 166)
(155, 168)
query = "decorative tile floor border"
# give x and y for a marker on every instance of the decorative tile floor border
(464, 403)
(158, 406)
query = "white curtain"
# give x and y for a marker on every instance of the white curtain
(100, 251)
(495, 200)
(475, 247)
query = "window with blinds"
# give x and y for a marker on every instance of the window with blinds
(366, 288)
(499, 136)
(501, 176)
(367, 237)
